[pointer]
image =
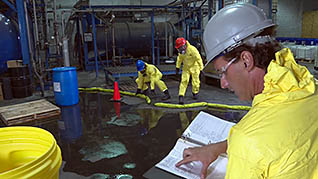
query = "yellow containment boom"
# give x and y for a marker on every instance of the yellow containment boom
(169, 105)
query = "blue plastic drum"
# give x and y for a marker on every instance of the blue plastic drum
(65, 86)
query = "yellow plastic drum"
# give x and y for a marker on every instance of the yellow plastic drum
(28, 152)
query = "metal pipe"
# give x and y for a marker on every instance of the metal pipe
(105, 10)
(28, 30)
(210, 5)
(132, 6)
(170, 45)
(95, 44)
(113, 40)
(270, 9)
(23, 32)
(32, 64)
(158, 50)
(166, 35)
(46, 32)
(56, 36)
(35, 23)
(106, 46)
(152, 38)
(37, 41)
(84, 26)
(186, 2)
(113, 36)
(63, 26)
(66, 52)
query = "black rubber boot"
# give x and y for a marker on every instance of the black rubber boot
(181, 100)
(145, 92)
(195, 96)
(167, 95)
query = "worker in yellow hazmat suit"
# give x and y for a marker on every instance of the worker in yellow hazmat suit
(192, 66)
(148, 73)
(278, 137)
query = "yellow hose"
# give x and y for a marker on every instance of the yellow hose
(94, 89)
(169, 105)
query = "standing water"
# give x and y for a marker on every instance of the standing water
(100, 139)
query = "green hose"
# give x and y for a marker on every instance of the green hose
(168, 105)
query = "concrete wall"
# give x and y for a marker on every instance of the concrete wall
(310, 5)
(289, 18)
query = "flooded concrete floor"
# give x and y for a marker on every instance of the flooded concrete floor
(98, 141)
(103, 139)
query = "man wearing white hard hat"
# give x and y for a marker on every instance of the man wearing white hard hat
(278, 137)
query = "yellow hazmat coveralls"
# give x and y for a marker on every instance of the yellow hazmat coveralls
(278, 137)
(192, 65)
(152, 75)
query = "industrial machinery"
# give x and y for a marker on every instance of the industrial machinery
(9, 42)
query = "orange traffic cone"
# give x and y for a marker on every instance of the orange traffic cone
(116, 96)
(117, 108)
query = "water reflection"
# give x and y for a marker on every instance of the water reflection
(122, 143)
(70, 125)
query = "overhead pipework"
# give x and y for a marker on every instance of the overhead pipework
(127, 32)
(134, 39)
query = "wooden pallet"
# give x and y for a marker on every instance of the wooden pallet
(29, 111)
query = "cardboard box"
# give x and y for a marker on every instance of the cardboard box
(15, 63)
(309, 24)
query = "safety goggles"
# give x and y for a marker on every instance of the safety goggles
(223, 69)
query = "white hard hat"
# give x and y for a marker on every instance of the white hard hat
(230, 26)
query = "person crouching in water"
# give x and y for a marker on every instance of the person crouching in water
(148, 73)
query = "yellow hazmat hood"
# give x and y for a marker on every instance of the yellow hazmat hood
(285, 75)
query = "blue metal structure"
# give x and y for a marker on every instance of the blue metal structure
(130, 7)
(152, 38)
(158, 51)
(95, 44)
(84, 27)
(127, 71)
(10, 5)
(220, 4)
(255, 2)
(9, 42)
(23, 32)
(191, 24)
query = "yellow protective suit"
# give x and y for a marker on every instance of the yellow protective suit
(192, 65)
(150, 118)
(152, 75)
(278, 137)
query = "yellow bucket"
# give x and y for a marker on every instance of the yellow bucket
(28, 152)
